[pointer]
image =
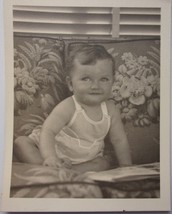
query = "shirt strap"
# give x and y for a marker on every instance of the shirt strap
(77, 105)
(104, 108)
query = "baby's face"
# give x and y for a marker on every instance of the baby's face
(92, 84)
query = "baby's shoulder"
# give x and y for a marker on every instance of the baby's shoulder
(66, 105)
(68, 102)
(112, 109)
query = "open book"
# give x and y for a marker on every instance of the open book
(131, 173)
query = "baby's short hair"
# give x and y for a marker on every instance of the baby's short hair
(87, 55)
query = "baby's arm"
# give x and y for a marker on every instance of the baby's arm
(118, 137)
(59, 117)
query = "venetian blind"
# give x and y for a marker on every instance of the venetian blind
(87, 21)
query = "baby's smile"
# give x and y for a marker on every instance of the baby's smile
(96, 93)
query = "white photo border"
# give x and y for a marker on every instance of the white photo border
(72, 205)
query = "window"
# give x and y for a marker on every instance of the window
(105, 22)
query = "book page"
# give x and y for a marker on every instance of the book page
(127, 173)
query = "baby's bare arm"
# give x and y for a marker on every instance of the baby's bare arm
(59, 117)
(118, 137)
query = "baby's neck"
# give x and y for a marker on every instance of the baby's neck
(93, 112)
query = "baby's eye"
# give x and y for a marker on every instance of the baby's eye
(104, 79)
(86, 79)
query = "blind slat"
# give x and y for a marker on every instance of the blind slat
(62, 28)
(130, 33)
(62, 18)
(140, 19)
(94, 10)
(146, 11)
(139, 30)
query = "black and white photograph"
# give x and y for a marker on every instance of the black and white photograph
(87, 106)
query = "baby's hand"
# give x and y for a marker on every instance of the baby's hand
(52, 161)
(66, 163)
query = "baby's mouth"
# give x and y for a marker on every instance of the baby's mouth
(95, 93)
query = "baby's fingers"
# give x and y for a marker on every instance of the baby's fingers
(51, 163)
(67, 163)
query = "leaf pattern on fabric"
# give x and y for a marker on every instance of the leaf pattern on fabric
(136, 90)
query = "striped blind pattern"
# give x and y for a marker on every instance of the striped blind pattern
(89, 21)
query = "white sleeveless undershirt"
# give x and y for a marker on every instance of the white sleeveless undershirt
(83, 138)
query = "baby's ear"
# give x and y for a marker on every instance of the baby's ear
(69, 83)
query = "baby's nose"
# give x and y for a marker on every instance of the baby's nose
(95, 84)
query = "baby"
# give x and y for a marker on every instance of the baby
(73, 134)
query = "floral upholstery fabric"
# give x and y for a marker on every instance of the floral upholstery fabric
(31, 181)
(39, 85)
(39, 80)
